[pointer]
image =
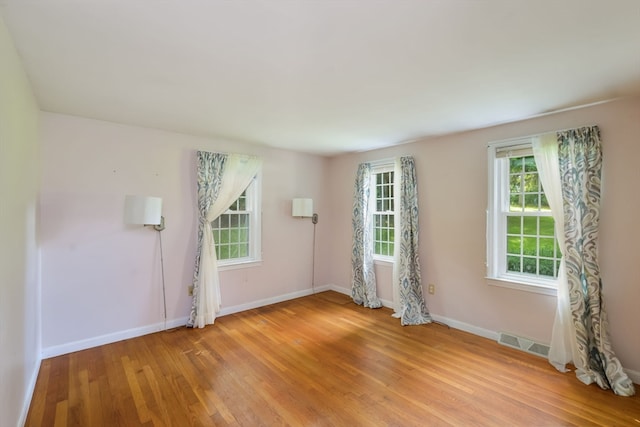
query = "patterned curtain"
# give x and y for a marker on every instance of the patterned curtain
(410, 307)
(580, 159)
(221, 180)
(210, 171)
(363, 287)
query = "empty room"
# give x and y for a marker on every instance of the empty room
(319, 213)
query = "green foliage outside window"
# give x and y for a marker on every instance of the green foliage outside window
(383, 218)
(531, 244)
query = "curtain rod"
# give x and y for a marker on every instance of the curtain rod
(538, 134)
(387, 159)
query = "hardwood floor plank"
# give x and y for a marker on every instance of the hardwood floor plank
(316, 361)
(62, 408)
(37, 407)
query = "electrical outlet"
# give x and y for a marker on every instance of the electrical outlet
(432, 288)
(190, 290)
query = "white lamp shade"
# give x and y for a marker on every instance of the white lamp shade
(302, 207)
(142, 210)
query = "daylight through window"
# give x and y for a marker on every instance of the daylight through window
(236, 231)
(383, 213)
(521, 240)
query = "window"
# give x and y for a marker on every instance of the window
(521, 242)
(383, 211)
(237, 231)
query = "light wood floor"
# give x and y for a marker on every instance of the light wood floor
(316, 361)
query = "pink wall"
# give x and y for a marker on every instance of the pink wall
(102, 278)
(452, 174)
(19, 256)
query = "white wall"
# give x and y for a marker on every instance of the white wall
(101, 279)
(19, 310)
(452, 174)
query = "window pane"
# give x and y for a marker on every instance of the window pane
(224, 252)
(546, 226)
(546, 247)
(513, 264)
(530, 246)
(513, 245)
(244, 250)
(515, 183)
(531, 183)
(224, 236)
(530, 164)
(531, 202)
(515, 203)
(515, 164)
(530, 225)
(514, 225)
(547, 268)
(529, 265)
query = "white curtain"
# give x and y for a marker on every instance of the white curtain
(237, 174)
(563, 348)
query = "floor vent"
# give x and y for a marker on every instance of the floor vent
(524, 344)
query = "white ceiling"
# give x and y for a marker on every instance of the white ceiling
(324, 76)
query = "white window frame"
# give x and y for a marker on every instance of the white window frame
(254, 208)
(383, 166)
(498, 192)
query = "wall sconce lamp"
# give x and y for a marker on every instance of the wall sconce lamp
(303, 208)
(146, 210)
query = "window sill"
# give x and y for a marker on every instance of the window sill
(240, 264)
(513, 283)
(388, 261)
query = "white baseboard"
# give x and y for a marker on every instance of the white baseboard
(340, 289)
(466, 327)
(149, 329)
(136, 332)
(58, 350)
(31, 387)
(268, 301)
(634, 376)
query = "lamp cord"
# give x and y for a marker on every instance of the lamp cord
(313, 261)
(164, 295)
